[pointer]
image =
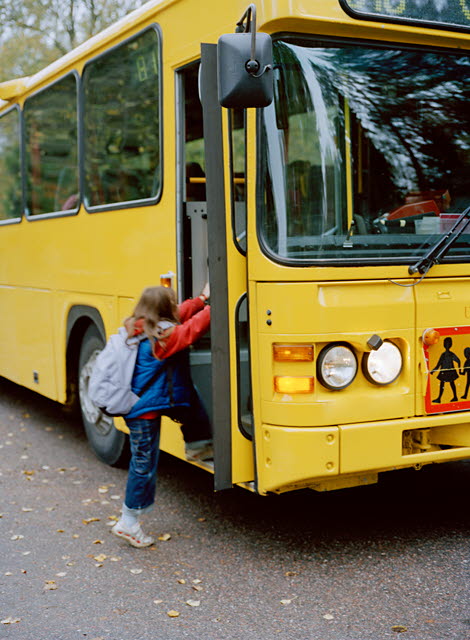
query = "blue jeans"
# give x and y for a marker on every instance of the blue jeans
(144, 438)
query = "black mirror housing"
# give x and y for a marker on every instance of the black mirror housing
(243, 80)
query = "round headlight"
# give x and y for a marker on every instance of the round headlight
(336, 366)
(384, 365)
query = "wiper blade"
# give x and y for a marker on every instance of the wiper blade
(435, 253)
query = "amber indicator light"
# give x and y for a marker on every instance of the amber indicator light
(293, 352)
(431, 336)
(293, 384)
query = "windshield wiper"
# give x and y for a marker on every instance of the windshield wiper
(437, 251)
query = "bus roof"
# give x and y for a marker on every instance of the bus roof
(15, 88)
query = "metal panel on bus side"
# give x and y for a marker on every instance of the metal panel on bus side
(319, 314)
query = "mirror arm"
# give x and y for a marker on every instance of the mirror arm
(252, 66)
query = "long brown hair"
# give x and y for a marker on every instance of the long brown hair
(155, 304)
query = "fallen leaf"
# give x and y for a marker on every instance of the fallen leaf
(10, 620)
(201, 519)
(75, 535)
(60, 530)
(193, 603)
(328, 616)
(115, 558)
(164, 537)
(172, 613)
(26, 509)
(157, 601)
(62, 574)
(182, 581)
(114, 518)
(8, 573)
(103, 490)
(197, 588)
(286, 601)
(398, 628)
(288, 574)
(97, 542)
(136, 571)
(100, 558)
(197, 581)
(88, 520)
(50, 586)
(29, 473)
(17, 537)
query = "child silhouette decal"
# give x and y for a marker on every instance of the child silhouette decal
(448, 373)
(466, 371)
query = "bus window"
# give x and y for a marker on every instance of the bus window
(10, 173)
(50, 119)
(237, 127)
(366, 153)
(122, 123)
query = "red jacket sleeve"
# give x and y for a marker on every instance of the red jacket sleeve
(189, 307)
(184, 334)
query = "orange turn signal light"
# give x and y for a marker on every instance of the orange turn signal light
(293, 352)
(431, 336)
(293, 384)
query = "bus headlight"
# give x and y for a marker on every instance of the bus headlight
(336, 366)
(384, 365)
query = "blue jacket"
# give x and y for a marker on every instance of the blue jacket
(171, 388)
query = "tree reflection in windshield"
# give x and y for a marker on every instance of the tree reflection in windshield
(367, 152)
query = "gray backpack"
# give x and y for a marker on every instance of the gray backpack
(110, 382)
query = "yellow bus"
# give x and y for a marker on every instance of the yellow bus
(312, 160)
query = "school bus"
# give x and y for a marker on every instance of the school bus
(312, 161)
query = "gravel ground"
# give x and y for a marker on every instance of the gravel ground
(380, 562)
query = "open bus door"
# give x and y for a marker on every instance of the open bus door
(217, 246)
(219, 362)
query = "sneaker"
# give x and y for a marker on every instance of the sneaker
(134, 536)
(200, 453)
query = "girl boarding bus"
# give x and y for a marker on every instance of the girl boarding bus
(311, 161)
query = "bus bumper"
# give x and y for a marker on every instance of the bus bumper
(351, 455)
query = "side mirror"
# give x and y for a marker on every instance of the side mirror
(245, 67)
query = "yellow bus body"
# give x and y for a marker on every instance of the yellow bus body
(319, 439)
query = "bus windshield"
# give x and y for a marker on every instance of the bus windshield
(365, 153)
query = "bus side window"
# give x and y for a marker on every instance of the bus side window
(10, 171)
(51, 149)
(237, 129)
(122, 123)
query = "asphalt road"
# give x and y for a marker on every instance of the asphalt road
(380, 562)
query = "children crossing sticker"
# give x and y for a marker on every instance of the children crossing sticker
(448, 363)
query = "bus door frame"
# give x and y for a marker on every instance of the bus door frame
(218, 270)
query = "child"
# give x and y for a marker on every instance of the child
(164, 357)
(466, 371)
(448, 373)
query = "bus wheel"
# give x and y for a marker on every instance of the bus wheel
(109, 444)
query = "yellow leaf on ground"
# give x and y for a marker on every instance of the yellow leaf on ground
(100, 558)
(193, 603)
(164, 537)
(88, 520)
(172, 613)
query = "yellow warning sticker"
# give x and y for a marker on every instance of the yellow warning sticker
(448, 363)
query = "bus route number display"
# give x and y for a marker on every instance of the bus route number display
(451, 14)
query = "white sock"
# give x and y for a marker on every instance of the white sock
(128, 519)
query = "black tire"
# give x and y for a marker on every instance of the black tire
(110, 445)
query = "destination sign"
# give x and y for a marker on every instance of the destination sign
(449, 14)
